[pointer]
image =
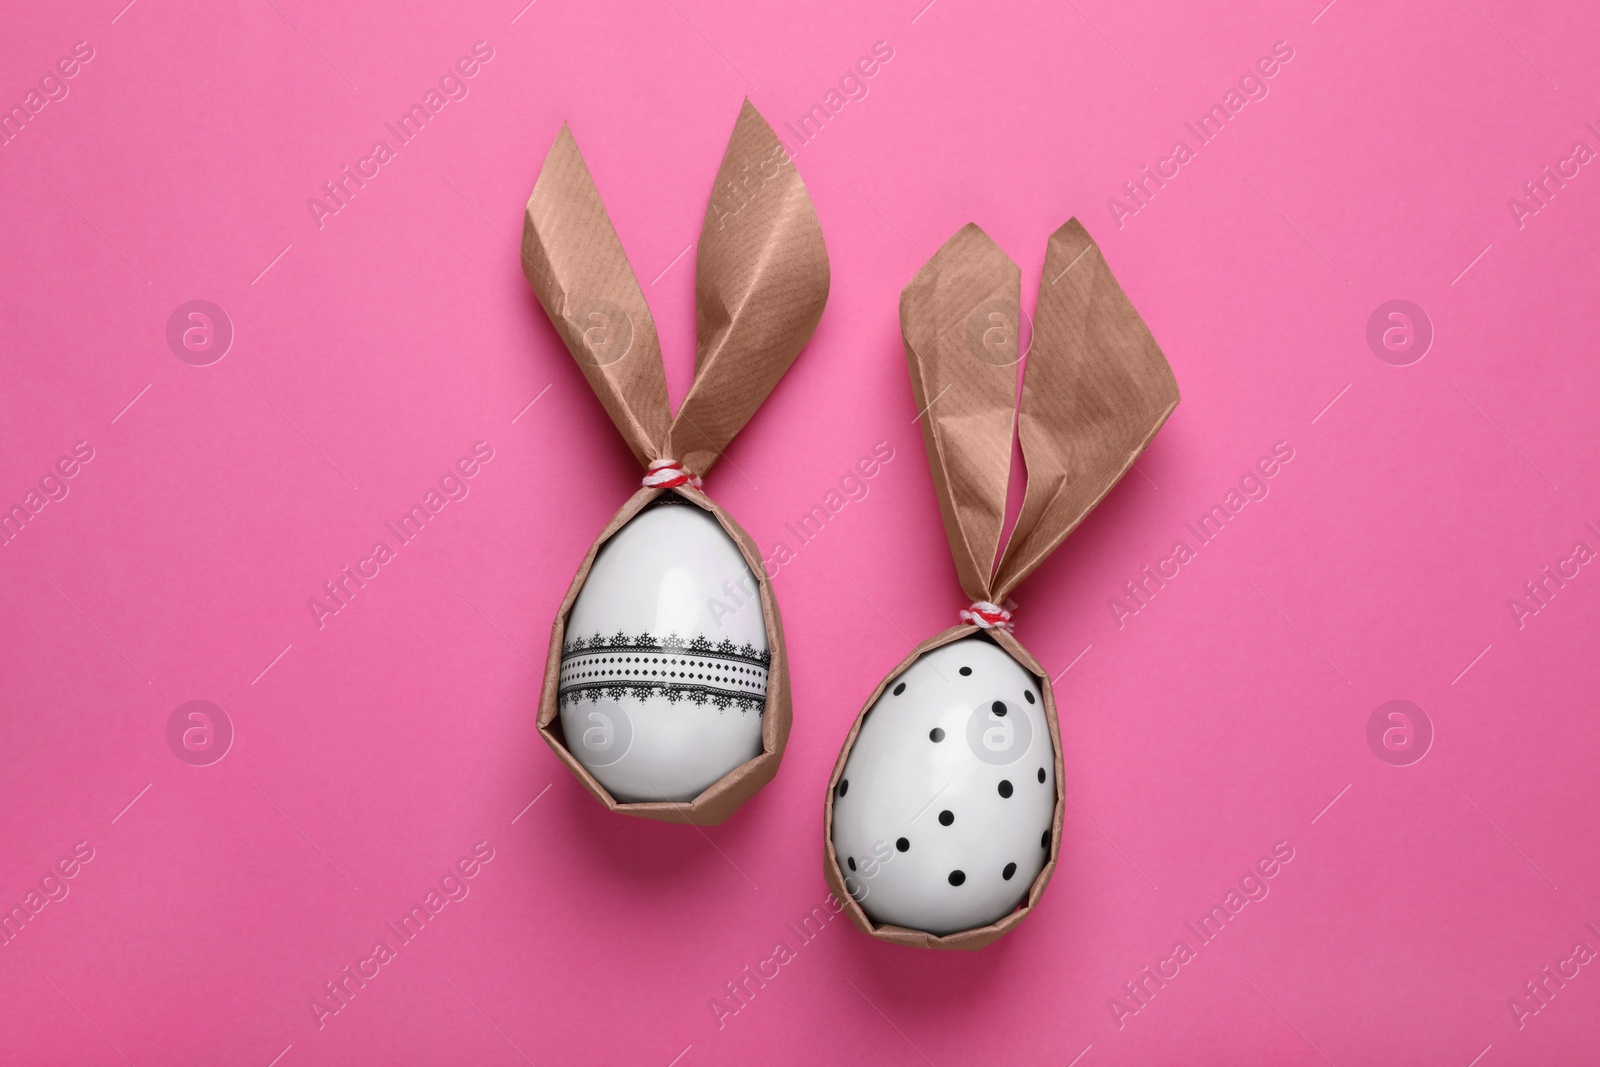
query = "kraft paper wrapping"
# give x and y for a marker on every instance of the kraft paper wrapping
(1095, 390)
(760, 285)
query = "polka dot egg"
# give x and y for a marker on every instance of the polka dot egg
(942, 815)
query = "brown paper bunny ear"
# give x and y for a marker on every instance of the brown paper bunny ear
(761, 280)
(575, 263)
(761, 283)
(958, 317)
(1095, 391)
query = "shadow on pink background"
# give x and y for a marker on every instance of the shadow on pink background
(375, 749)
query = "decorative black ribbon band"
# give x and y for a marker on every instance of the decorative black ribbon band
(721, 674)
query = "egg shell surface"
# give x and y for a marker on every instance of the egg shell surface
(942, 815)
(664, 667)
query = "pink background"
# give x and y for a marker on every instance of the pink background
(1228, 715)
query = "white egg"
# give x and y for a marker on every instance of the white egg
(941, 819)
(664, 663)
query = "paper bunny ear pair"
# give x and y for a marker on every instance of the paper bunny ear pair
(761, 280)
(760, 285)
(1095, 390)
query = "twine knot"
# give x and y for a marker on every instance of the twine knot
(668, 474)
(987, 616)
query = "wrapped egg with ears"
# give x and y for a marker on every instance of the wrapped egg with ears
(943, 814)
(667, 691)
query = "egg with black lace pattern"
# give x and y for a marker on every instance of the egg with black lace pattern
(664, 662)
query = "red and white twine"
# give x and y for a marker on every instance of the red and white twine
(668, 474)
(987, 616)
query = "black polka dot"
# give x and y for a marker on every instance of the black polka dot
(1027, 694)
(1041, 775)
(1044, 839)
(844, 786)
(1005, 787)
(999, 708)
(1011, 868)
(964, 672)
(935, 735)
(946, 817)
(957, 877)
(901, 688)
(852, 862)
(902, 844)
